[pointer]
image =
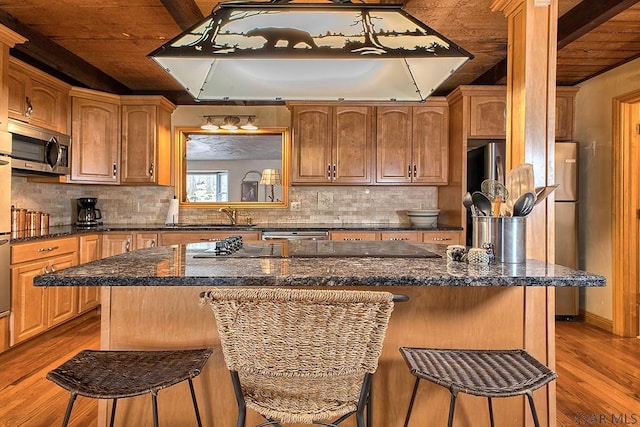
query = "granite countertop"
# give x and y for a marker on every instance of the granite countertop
(177, 266)
(70, 230)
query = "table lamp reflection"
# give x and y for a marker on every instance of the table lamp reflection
(271, 177)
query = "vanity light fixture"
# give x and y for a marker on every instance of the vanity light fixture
(229, 122)
(285, 51)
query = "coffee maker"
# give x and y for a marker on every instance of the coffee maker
(87, 214)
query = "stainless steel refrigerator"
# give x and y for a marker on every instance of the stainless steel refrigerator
(566, 204)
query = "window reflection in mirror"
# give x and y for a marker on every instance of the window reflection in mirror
(226, 168)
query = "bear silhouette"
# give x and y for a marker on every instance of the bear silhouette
(292, 36)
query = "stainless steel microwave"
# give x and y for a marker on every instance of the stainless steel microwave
(38, 150)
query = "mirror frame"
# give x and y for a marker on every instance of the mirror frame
(181, 134)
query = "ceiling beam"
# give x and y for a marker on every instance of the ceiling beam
(575, 23)
(49, 56)
(185, 12)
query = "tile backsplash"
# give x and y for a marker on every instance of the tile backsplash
(149, 205)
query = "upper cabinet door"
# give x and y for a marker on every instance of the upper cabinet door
(36, 98)
(565, 113)
(311, 161)
(138, 144)
(352, 146)
(430, 144)
(393, 144)
(96, 140)
(488, 116)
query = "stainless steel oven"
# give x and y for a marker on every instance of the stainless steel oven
(5, 222)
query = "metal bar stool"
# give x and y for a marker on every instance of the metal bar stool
(101, 374)
(488, 373)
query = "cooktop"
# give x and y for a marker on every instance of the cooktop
(234, 247)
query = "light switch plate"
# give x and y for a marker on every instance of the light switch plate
(295, 206)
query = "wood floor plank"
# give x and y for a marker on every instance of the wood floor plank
(598, 377)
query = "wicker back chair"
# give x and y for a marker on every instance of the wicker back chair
(301, 356)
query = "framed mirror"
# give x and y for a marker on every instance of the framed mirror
(241, 169)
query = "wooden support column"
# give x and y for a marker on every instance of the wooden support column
(531, 83)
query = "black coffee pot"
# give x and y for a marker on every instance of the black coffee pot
(87, 214)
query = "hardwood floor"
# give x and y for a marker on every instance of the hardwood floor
(598, 378)
(28, 398)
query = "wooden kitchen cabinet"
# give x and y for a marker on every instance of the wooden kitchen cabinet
(146, 140)
(565, 113)
(332, 144)
(146, 240)
(410, 236)
(183, 237)
(115, 243)
(89, 249)
(488, 114)
(36, 309)
(354, 235)
(412, 143)
(37, 98)
(443, 237)
(95, 129)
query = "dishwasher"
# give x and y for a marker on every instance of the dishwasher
(295, 235)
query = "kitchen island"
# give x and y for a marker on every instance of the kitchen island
(150, 300)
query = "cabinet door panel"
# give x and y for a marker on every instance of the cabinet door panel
(116, 243)
(138, 144)
(430, 145)
(311, 153)
(28, 303)
(488, 116)
(146, 240)
(47, 103)
(18, 84)
(352, 145)
(393, 144)
(95, 141)
(89, 250)
(62, 299)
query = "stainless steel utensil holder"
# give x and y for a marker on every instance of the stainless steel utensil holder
(507, 235)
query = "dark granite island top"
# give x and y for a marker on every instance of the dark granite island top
(398, 264)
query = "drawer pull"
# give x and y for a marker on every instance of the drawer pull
(399, 238)
(353, 238)
(52, 248)
(441, 239)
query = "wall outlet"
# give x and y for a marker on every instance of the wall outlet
(295, 206)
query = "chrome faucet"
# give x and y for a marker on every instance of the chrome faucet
(231, 213)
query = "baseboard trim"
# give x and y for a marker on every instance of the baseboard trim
(597, 321)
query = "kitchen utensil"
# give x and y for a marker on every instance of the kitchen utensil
(482, 203)
(524, 205)
(520, 180)
(543, 192)
(493, 189)
(467, 202)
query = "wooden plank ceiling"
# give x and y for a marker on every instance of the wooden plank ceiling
(104, 45)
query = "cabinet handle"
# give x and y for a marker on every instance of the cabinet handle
(29, 111)
(329, 172)
(352, 238)
(45, 269)
(153, 243)
(151, 170)
(53, 268)
(49, 249)
(399, 238)
(334, 171)
(415, 171)
(127, 246)
(441, 239)
(115, 170)
(409, 169)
